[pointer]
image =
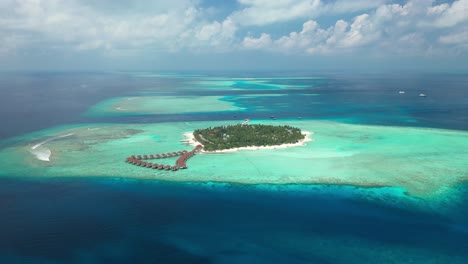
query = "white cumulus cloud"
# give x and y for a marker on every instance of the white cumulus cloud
(452, 15)
(332, 27)
(257, 43)
(86, 25)
(389, 28)
(263, 12)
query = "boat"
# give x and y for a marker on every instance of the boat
(422, 95)
(401, 92)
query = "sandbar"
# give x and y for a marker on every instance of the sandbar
(43, 153)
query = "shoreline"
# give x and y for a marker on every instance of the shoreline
(190, 139)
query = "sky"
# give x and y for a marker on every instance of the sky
(233, 35)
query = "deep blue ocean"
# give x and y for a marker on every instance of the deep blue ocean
(117, 220)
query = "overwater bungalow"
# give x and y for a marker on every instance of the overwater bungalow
(180, 163)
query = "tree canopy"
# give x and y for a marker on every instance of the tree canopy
(235, 136)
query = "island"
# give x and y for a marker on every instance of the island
(225, 138)
(247, 135)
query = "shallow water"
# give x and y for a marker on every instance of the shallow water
(155, 105)
(365, 132)
(339, 154)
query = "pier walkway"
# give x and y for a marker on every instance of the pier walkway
(139, 160)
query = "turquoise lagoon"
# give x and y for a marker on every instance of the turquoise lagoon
(342, 154)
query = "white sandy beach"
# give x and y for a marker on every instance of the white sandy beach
(190, 139)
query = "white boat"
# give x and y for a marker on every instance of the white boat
(401, 92)
(422, 95)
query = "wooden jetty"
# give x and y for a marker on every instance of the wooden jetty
(139, 160)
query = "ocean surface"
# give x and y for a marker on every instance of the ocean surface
(122, 220)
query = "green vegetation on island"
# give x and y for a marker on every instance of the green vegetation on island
(244, 135)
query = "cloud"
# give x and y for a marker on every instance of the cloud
(257, 43)
(216, 33)
(264, 12)
(390, 28)
(84, 25)
(452, 15)
(457, 38)
(360, 32)
(346, 6)
(310, 36)
(326, 27)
